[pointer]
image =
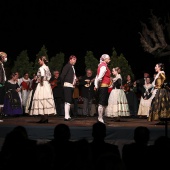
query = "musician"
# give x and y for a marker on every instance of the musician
(76, 94)
(87, 91)
(25, 85)
(57, 89)
(145, 101)
(130, 88)
(141, 82)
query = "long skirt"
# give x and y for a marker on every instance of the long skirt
(12, 104)
(117, 104)
(160, 105)
(144, 107)
(42, 102)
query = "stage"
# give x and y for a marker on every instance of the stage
(81, 127)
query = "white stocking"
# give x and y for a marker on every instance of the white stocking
(67, 110)
(100, 113)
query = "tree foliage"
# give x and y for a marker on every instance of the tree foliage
(56, 62)
(125, 67)
(22, 64)
(43, 52)
(120, 61)
(91, 62)
(114, 60)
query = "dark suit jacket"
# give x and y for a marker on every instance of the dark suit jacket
(67, 74)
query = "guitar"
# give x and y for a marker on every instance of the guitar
(89, 82)
(53, 83)
(126, 87)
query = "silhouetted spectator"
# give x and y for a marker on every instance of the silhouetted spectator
(98, 147)
(82, 155)
(159, 153)
(18, 150)
(109, 161)
(62, 146)
(135, 155)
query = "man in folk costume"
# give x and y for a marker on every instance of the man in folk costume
(102, 82)
(3, 58)
(68, 77)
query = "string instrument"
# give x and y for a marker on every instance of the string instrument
(89, 82)
(126, 87)
(53, 83)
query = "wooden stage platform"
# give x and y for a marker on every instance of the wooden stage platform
(81, 127)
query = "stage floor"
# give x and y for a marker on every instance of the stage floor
(81, 127)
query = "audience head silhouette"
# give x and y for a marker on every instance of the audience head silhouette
(162, 141)
(141, 135)
(99, 130)
(62, 132)
(21, 131)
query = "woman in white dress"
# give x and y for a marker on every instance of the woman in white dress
(43, 102)
(145, 100)
(117, 102)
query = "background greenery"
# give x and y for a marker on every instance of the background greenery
(23, 64)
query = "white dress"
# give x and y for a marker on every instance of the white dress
(145, 104)
(117, 102)
(43, 101)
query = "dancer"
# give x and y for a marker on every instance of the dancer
(117, 102)
(12, 102)
(68, 77)
(43, 100)
(102, 82)
(160, 97)
(3, 59)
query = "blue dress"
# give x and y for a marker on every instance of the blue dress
(12, 102)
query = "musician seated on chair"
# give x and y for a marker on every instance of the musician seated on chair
(57, 89)
(87, 91)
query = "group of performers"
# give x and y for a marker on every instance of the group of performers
(155, 97)
(116, 98)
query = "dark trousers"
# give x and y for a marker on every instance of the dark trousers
(132, 102)
(68, 94)
(103, 96)
(2, 95)
(59, 105)
(87, 104)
